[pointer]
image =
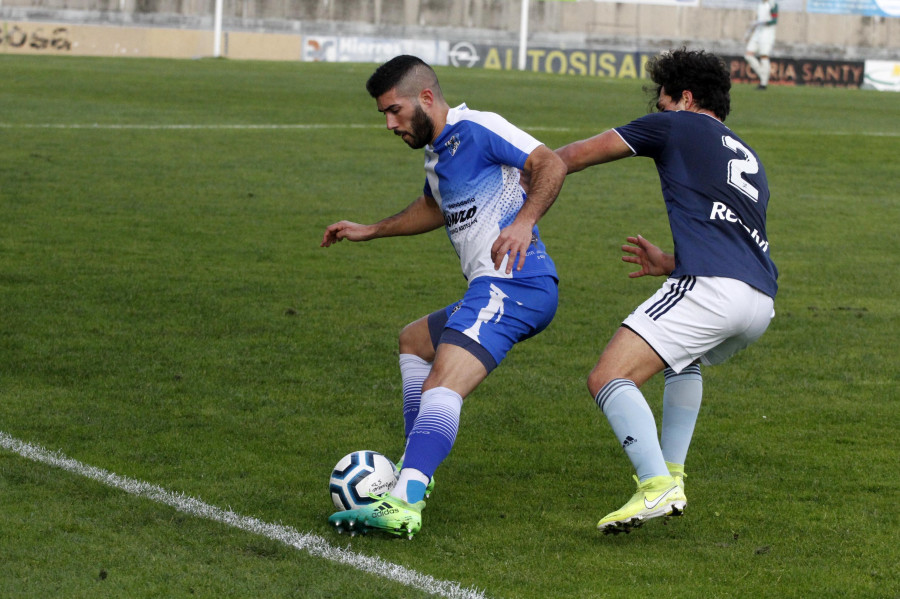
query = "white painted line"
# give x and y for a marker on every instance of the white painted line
(311, 543)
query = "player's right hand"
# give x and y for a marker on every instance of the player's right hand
(652, 260)
(345, 230)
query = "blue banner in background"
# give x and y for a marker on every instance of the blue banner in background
(783, 5)
(871, 8)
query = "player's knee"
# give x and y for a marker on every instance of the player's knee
(596, 380)
(416, 339)
(406, 339)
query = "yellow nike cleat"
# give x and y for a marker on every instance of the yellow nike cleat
(655, 497)
(677, 472)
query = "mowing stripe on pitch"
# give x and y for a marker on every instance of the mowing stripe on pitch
(175, 126)
(311, 543)
(215, 127)
(313, 126)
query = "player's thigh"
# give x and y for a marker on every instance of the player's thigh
(690, 316)
(753, 43)
(492, 317)
(414, 339)
(758, 311)
(627, 356)
(766, 41)
(495, 314)
(421, 336)
(455, 368)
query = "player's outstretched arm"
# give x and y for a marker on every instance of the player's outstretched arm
(346, 230)
(605, 147)
(653, 261)
(421, 216)
(546, 174)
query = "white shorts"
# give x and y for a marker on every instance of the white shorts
(701, 318)
(761, 41)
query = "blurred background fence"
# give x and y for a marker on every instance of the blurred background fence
(826, 39)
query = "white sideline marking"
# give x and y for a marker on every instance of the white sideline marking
(311, 543)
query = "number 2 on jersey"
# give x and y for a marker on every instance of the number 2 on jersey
(738, 166)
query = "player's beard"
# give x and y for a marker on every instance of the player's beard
(422, 130)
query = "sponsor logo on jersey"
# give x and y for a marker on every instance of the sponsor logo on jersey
(453, 144)
(460, 216)
(722, 212)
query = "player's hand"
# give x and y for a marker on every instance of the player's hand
(345, 230)
(513, 241)
(652, 260)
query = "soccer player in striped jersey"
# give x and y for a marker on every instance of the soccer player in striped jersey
(472, 189)
(761, 40)
(721, 282)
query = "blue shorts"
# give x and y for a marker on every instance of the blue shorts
(495, 314)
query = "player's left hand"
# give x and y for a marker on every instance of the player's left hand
(513, 241)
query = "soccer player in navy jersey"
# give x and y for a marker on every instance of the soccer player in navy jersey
(472, 189)
(719, 293)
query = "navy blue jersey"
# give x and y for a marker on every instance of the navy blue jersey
(716, 194)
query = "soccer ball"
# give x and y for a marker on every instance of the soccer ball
(358, 474)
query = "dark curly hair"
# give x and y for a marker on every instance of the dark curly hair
(704, 74)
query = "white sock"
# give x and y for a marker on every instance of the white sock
(634, 426)
(413, 372)
(754, 64)
(765, 68)
(407, 476)
(681, 405)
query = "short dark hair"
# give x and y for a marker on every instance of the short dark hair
(410, 74)
(704, 74)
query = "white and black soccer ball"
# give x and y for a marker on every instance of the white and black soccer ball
(359, 473)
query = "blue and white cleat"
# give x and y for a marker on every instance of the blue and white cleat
(388, 514)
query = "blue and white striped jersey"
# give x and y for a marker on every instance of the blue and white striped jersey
(472, 171)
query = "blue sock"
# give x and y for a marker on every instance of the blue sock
(681, 405)
(415, 491)
(434, 433)
(634, 426)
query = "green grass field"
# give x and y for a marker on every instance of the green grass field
(168, 315)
